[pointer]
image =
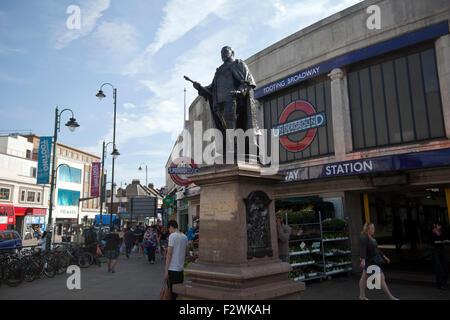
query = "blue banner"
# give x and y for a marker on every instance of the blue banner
(45, 152)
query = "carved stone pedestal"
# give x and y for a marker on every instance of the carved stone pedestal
(238, 251)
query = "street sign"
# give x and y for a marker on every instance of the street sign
(143, 207)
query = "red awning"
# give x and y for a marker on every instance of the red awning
(22, 211)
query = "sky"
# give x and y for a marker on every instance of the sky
(143, 48)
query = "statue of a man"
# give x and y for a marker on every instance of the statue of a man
(230, 94)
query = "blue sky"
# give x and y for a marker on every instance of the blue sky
(142, 47)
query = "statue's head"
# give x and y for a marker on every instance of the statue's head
(227, 53)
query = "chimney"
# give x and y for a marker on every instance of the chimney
(135, 181)
(151, 186)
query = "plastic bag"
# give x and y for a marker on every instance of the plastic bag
(122, 248)
(135, 249)
(145, 251)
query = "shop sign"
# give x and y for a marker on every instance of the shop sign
(45, 150)
(407, 161)
(180, 168)
(309, 123)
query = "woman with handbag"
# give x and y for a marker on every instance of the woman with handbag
(371, 256)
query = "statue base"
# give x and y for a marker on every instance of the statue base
(229, 268)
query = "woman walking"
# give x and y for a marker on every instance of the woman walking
(150, 243)
(437, 242)
(371, 256)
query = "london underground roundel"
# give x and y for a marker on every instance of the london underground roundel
(290, 124)
(180, 168)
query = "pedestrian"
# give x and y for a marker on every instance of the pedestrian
(284, 232)
(90, 242)
(150, 243)
(130, 239)
(437, 242)
(370, 256)
(139, 239)
(111, 249)
(176, 254)
(42, 241)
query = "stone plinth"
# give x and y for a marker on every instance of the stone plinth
(223, 270)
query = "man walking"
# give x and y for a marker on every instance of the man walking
(112, 249)
(91, 243)
(129, 239)
(139, 239)
(176, 253)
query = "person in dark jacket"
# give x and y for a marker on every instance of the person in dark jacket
(437, 242)
(112, 249)
(371, 256)
(130, 239)
(283, 232)
(91, 242)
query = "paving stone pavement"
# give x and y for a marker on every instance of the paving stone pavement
(135, 278)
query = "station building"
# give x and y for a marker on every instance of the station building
(363, 114)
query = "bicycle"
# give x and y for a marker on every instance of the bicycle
(11, 271)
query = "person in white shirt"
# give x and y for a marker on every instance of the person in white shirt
(177, 251)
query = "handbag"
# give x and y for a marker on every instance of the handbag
(147, 244)
(165, 293)
(378, 259)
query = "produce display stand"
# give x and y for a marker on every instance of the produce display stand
(319, 248)
(335, 253)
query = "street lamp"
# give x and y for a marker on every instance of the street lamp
(115, 153)
(72, 124)
(140, 169)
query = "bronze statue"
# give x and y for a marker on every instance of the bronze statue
(230, 95)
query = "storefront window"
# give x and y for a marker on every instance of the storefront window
(68, 197)
(69, 175)
(395, 99)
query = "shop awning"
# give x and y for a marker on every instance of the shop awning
(22, 211)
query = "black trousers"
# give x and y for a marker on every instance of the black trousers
(440, 267)
(151, 253)
(128, 247)
(174, 278)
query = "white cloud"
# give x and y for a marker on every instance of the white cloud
(117, 38)
(303, 13)
(4, 49)
(180, 16)
(91, 11)
(129, 105)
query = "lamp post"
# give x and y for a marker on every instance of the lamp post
(115, 153)
(72, 124)
(103, 184)
(140, 168)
